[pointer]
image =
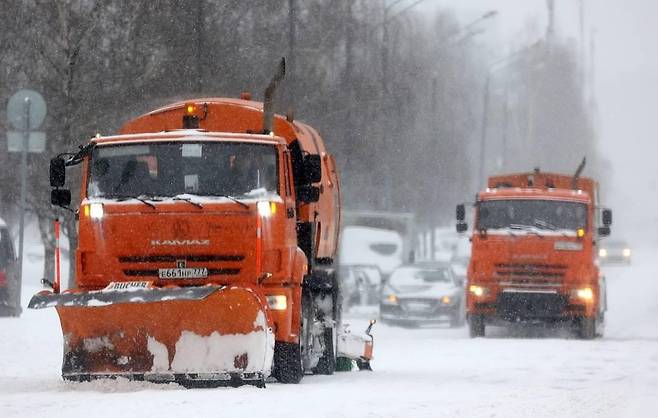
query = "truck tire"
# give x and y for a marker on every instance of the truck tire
(289, 357)
(587, 328)
(476, 326)
(327, 363)
(288, 366)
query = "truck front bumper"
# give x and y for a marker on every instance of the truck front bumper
(529, 307)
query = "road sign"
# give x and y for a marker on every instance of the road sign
(26, 111)
(15, 141)
(16, 110)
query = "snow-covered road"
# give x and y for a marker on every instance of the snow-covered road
(431, 372)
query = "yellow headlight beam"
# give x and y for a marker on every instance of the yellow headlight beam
(585, 293)
(476, 290)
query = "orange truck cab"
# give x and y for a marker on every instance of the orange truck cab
(533, 252)
(203, 220)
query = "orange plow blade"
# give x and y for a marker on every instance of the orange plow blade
(221, 337)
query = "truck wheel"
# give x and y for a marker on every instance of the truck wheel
(587, 328)
(476, 326)
(289, 357)
(327, 363)
(288, 362)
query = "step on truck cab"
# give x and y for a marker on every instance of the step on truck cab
(533, 252)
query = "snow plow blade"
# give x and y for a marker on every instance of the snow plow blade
(198, 336)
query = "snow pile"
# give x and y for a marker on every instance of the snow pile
(252, 352)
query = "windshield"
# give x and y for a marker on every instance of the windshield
(416, 275)
(541, 214)
(174, 168)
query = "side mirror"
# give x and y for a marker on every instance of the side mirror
(606, 216)
(57, 172)
(462, 226)
(312, 168)
(461, 212)
(604, 231)
(60, 197)
(308, 194)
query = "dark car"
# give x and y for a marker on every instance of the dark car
(7, 273)
(360, 285)
(423, 293)
(614, 251)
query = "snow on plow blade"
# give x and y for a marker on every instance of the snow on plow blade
(197, 336)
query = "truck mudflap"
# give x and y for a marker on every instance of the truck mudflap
(355, 346)
(195, 336)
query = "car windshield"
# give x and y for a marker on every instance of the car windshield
(541, 214)
(174, 168)
(405, 276)
(615, 244)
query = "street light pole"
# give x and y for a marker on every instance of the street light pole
(493, 68)
(291, 54)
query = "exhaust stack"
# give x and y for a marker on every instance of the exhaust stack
(268, 101)
(574, 180)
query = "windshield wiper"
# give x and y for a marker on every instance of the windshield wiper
(235, 199)
(544, 225)
(527, 228)
(188, 200)
(126, 197)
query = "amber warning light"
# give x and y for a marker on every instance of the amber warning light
(190, 119)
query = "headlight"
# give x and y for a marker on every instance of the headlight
(391, 298)
(266, 209)
(603, 252)
(627, 252)
(585, 294)
(94, 211)
(477, 290)
(446, 300)
(277, 302)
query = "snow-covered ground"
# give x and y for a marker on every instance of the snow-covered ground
(429, 372)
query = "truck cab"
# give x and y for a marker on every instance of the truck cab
(533, 253)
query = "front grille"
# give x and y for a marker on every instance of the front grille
(530, 305)
(148, 265)
(530, 274)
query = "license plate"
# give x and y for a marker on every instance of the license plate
(128, 285)
(418, 306)
(186, 273)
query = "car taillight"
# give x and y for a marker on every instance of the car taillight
(3, 279)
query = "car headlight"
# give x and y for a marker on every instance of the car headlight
(277, 302)
(477, 290)
(391, 298)
(446, 300)
(584, 293)
(603, 252)
(627, 252)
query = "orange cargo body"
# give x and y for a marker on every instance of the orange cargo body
(533, 253)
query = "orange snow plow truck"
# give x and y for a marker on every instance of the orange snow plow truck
(208, 233)
(533, 252)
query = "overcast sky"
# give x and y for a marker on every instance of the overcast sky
(626, 86)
